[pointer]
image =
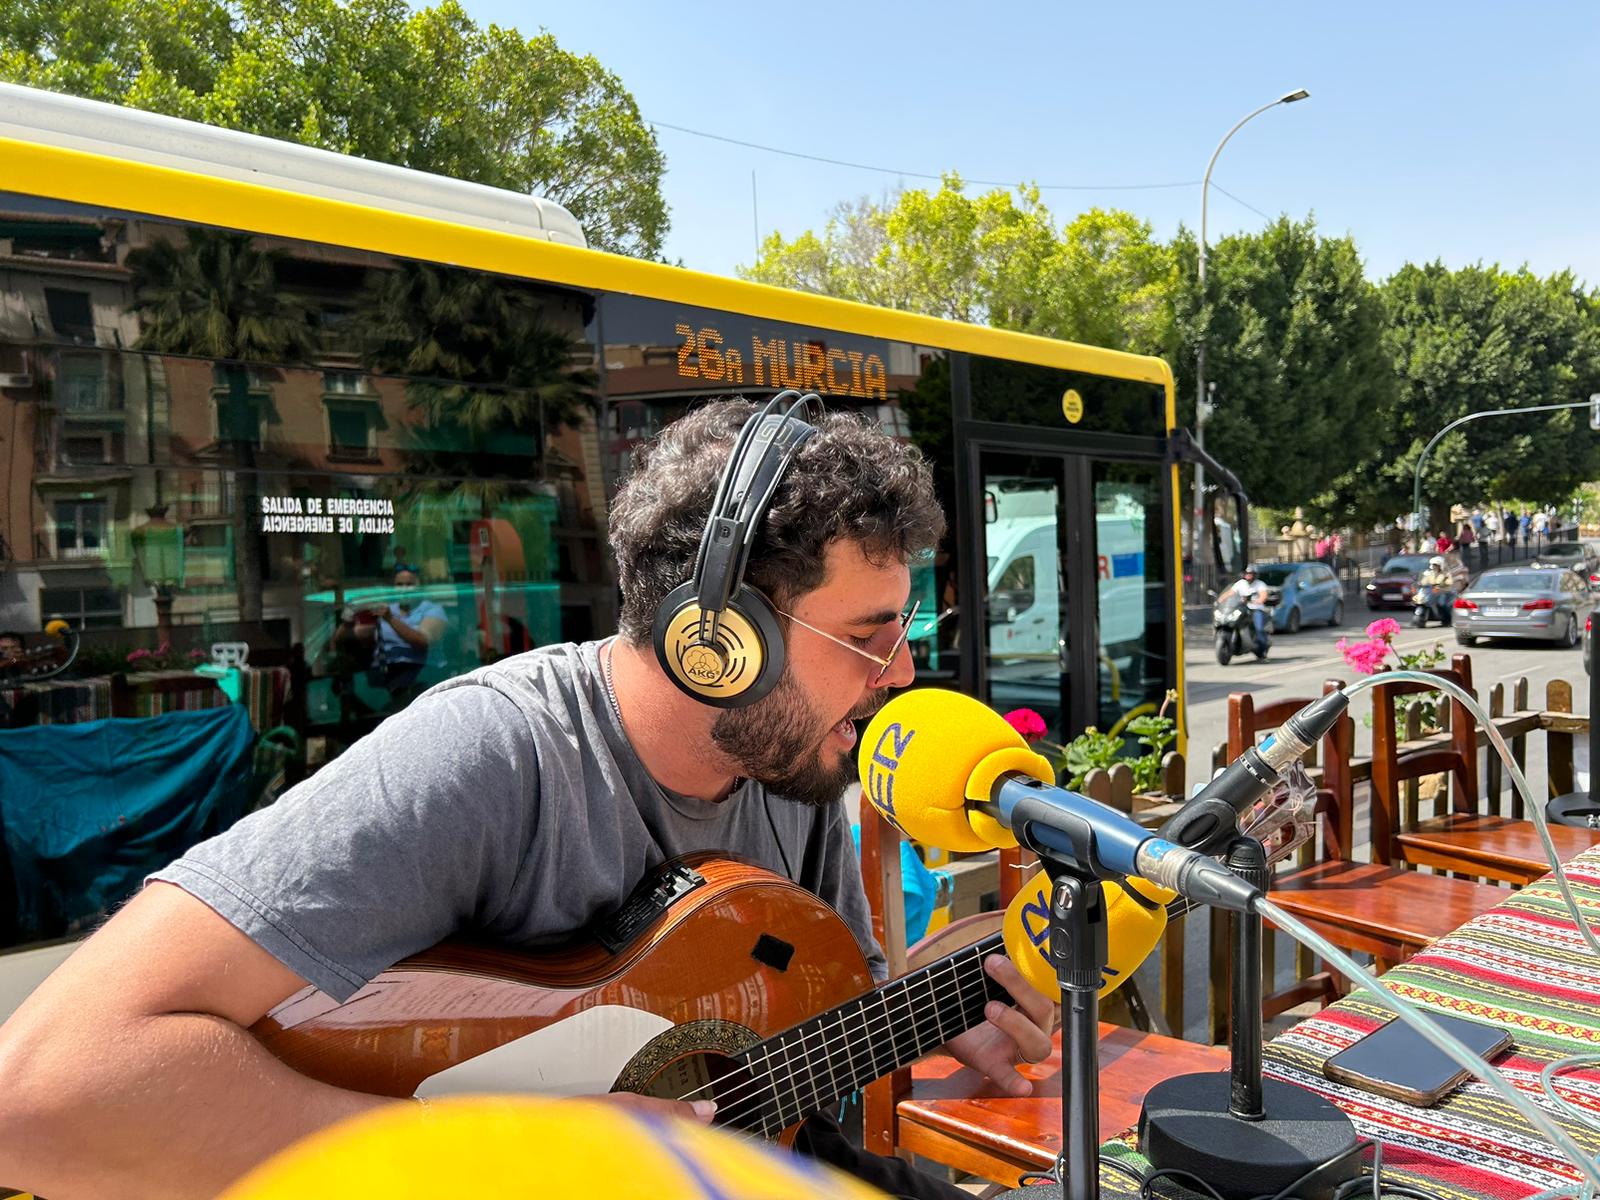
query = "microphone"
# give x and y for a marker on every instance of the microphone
(1209, 822)
(949, 771)
(1136, 917)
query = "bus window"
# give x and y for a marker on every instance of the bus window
(1132, 590)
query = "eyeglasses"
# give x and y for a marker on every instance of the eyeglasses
(884, 660)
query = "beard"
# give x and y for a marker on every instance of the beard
(777, 741)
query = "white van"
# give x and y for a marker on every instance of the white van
(1025, 614)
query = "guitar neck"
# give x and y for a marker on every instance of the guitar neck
(809, 1067)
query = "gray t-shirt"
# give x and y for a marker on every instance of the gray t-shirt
(507, 803)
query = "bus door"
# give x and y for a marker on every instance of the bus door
(1076, 611)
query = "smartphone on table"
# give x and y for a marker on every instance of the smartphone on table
(1395, 1060)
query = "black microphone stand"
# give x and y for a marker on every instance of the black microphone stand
(1078, 948)
(1243, 1135)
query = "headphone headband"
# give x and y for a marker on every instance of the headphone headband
(766, 446)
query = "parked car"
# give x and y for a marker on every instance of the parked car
(1548, 603)
(1307, 591)
(1392, 586)
(1578, 556)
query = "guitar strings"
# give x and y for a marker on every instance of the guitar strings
(752, 1092)
(783, 1067)
(872, 1027)
(956, 1008)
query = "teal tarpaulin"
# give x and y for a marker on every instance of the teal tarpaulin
(88, 810)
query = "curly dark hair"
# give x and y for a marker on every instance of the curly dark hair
(849, 480)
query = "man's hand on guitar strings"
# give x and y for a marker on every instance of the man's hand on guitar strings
(698, 1111)
(1010, 1034)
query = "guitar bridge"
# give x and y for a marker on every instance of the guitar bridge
(650, 900)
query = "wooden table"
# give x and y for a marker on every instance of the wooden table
(1520, 966)
(1016, 1135)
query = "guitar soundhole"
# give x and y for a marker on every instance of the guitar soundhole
(740, 1102)
(696, 1061)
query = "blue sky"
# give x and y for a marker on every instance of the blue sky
(1466, 132)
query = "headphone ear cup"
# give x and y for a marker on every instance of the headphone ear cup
(739, 666)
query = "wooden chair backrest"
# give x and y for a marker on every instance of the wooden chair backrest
(880, 875)
(1336, 796)
(1390, 767)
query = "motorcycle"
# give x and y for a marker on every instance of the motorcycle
(1424, 606)
(1235, 629)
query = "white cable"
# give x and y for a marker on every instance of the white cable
(1518, 780)
(1413, 1016)
(1446, 1042)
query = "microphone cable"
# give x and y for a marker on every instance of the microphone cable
(1405, 1010)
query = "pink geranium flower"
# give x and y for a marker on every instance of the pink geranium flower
(136, 655)
(1365, 657)
(1026, 722)
(1383, 627)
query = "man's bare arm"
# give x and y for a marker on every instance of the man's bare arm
(130, 1073)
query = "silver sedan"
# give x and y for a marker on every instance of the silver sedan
(1550, 604)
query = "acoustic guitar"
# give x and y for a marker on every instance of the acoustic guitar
(715, 980)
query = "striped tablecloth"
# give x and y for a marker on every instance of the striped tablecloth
(55, 702)
(1522, 965)
(265, 691)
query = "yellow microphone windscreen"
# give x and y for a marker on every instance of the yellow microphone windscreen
(1132, 931)
(508, 1148)
(920, 753)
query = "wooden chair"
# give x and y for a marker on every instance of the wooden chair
(950, 1115)
(1370, 907)
(1463, 839)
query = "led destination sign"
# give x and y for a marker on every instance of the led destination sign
(703, 354)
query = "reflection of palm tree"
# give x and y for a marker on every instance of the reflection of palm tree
(488, 378)
(219, 297)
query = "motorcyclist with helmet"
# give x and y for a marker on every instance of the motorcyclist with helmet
(1438, 577)
(1255, 594)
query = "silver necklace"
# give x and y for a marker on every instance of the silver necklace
(605, 679)
(611, 695)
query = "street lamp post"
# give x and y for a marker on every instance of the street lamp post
(158, 550)
(1201, 409)
(1416, 476)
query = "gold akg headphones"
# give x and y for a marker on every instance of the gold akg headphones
(716, 637)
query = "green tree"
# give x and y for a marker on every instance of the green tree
(996, 259)
(218, 296)
(1469, 341)
(429, 89)
(1293, 335)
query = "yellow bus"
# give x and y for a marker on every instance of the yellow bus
(242, 382)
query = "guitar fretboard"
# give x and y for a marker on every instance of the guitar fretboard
(805, 1069)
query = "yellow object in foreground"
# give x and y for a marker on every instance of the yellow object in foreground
(495, 1148)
